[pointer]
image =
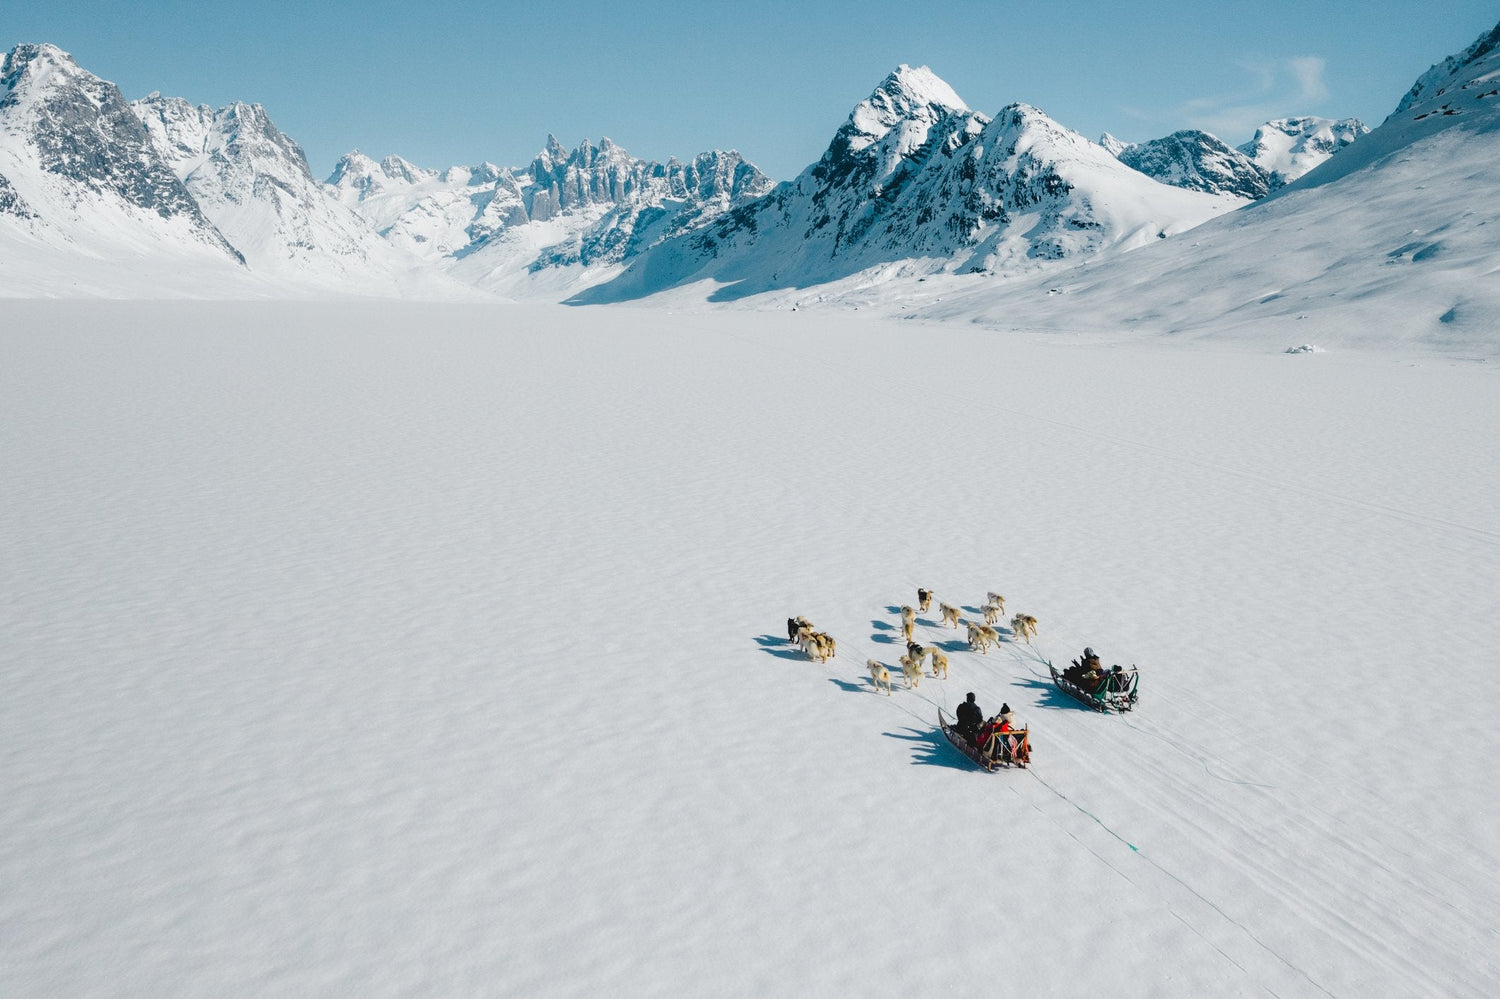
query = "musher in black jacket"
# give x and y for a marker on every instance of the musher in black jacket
(969, 718)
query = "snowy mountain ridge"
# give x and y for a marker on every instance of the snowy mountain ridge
(1385, 244)
(1287, 148)
(72, 150)
(1198, 161)
(254, 181)
(915, 183)
(574, 210)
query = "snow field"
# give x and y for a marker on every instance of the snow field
(413, 649)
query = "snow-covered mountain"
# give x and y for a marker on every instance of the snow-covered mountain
(81, 169)
(1198, 161)
(588, 207)
(1391, 241)
(915, 182)
(254, 183)
(1287, 148)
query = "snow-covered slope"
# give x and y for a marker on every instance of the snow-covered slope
(1287, 148)
(83, 181)
(1391, 242)
(566, 217)
(916, 183)
(254, 183)
(1198, 161)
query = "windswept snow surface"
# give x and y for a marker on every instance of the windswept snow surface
(380, 649)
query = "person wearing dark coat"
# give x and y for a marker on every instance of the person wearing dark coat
(969, 718)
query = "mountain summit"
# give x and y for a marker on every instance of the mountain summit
(914, 182)
(74, 151)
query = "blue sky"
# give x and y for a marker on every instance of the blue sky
(443, 83)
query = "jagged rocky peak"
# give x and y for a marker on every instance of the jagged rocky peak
(1454, 71)
(397, 168)
(1287, 148)
(82, 131)
(891, 133)
(907, 93)
(1113, 145)
(1199, 161)
(360, 173)
(32, 63)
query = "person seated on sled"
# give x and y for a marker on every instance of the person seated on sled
(969, 718)
(989, 742)
(1087, 672)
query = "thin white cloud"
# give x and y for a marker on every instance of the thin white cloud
(1308, 71)
(1272, 88)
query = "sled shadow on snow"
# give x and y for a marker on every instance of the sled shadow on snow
(1050, 696)
(779, 647)
(931, 749)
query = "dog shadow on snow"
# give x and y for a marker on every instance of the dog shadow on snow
(779, 647)
(930, 748)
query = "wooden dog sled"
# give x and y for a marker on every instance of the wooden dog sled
(1007, 749)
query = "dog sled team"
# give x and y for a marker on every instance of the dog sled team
(997, 741)
(920, 660)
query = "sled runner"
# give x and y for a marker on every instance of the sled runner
(1108, 691)
(1006, 749)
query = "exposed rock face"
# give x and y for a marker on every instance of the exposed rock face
(1198, 161)
(589, 205)
(917, 181)
(80, 129)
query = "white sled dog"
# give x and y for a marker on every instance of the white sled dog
(939, 663)
(911, 671)
(1024, 626)
(992, 613)
(950, 614)
(881, 675)
(994, 598)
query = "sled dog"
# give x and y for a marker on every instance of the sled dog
(950, 614)
(881, 675)
(939, 663)
(1024, 626)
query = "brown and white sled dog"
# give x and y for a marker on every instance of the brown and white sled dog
(950, 614)
(981, 635)
(924, 600)
(1024, 626)
(911, 671)
(939, 663)
(994, 598)
(992, 613)
(908, 622)
(818, 646)
(881, 675)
